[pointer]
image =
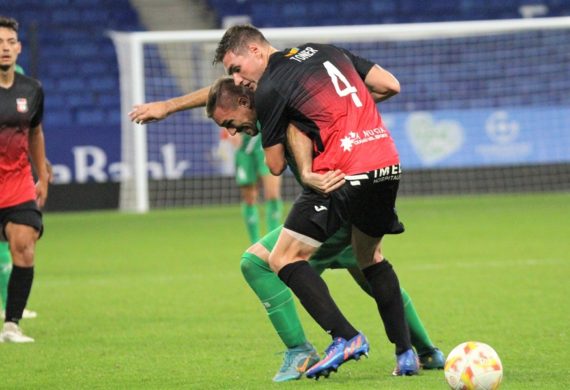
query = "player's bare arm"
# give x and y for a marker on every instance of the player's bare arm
(381, 83)
(156, 111)
(38, 158)
(275, 159)
(302, 148)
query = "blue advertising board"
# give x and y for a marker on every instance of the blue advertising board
(425, 139)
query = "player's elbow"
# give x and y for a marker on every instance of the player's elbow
(391, 86)
(394, 88)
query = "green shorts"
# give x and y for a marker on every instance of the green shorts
(250, 161)
(336, 252)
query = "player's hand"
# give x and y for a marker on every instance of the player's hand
(148, 112)
(324, 183)
(41, 192)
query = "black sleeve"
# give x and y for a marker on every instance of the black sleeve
(38, 107)
(271, 108)
(362, 65)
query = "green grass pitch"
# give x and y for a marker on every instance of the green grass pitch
(158, 301)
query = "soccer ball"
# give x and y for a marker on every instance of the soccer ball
(473, 366)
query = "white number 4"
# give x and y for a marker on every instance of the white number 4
(335, 76)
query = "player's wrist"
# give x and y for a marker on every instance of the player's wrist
(170, 107)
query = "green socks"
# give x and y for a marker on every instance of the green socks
(273, 213)
(273, 216)
(5, 269)
(250, 214)
(418, 333)
(276, 299)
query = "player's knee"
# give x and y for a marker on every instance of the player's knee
(23, 252)
(252, 266)
(246, 265)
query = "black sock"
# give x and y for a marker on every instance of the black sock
(314, 295)
(386, 291)
(19, 288)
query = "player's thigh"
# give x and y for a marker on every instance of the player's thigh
(270, 239)
(23, 216)
(335, 252)
(290, 247)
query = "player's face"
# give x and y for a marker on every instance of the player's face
(9, 48)
(236, 120)
(246, 67)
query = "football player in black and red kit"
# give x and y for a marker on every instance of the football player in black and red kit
(328, 94)
(21, 142)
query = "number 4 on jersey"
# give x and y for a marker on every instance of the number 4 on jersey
(335, 76)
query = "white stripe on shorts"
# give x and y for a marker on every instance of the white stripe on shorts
(304, 239)
(357, 177)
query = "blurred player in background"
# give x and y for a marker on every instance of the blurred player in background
(250, 168)
(6, 262)
(22, 140)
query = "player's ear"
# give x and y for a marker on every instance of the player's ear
(244, 101)
(253, 48)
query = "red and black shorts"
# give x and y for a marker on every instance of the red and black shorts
(26, 213)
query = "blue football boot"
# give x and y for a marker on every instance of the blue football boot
(339, 352)
(407, 363)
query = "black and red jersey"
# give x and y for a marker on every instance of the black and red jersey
(320, 89)
(21, 109)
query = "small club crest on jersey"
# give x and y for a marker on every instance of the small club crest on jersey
(22, 105)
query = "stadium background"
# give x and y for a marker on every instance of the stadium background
(157, 300)
(67, 47)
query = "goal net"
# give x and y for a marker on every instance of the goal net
(484, 107)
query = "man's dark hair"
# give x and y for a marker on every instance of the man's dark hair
(236, 38)
(225, 93)
(10, 23)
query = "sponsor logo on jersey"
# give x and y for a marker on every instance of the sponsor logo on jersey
(362, 137)
(304, 54)
(292, 52)
(318, 209)
(22, 105)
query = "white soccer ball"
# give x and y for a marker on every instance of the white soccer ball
(473, 366)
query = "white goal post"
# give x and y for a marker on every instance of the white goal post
(477, 97)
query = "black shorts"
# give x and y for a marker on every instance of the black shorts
(319, 218)
(26, 213)
(368, 201)
(313, 216)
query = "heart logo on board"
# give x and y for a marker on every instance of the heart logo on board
(432, 140)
